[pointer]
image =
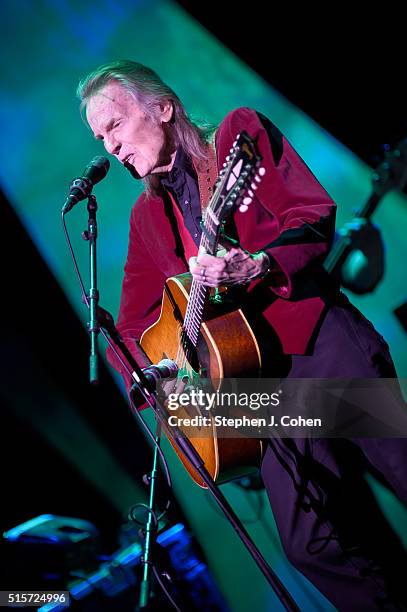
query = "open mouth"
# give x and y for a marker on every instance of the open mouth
(127, 159)
(127, 163)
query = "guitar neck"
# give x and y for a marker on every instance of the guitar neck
(199, 293)
(238, 173)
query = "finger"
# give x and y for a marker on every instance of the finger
(209, 261)
(215, 279)
(193, 264)
(237, 255)
(201, 278)
(209, 282)
(199, 272)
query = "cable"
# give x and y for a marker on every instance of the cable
(259, 511)
(161, 583)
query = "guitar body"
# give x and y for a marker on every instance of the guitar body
(227, 348)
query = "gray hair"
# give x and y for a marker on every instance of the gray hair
(148, 90)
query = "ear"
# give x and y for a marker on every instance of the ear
(166, 111)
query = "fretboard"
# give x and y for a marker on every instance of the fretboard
(199, 292)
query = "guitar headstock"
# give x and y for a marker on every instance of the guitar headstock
(239, 178)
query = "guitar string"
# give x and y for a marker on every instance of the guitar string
(193, 317)
(198, 292)
(194, 309)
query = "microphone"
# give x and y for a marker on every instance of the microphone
(166, 368)
(81, 187)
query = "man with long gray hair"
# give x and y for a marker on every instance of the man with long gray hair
(330, 526)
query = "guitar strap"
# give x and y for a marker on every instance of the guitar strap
(207, 173)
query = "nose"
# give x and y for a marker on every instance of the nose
(112, 146)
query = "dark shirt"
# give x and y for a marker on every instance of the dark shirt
(182, 182)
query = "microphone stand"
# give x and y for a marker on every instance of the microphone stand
(101, 319)
(143, 386)
(93, 326)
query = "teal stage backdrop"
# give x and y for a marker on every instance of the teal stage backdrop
(46, 47)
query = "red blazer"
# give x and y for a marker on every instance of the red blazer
(292, 219)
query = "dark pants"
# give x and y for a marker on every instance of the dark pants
(330, 525)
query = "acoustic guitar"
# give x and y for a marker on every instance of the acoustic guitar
(203, 332)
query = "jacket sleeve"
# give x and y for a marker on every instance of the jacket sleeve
(141, 296)
(298, 205)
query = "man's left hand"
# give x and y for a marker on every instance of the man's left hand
(236, 267)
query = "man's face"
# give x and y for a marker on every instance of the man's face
(135, 139)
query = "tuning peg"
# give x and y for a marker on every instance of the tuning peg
(261, 171)
(250, 193)
(245, 204)
(257, 178)
(253, 186)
